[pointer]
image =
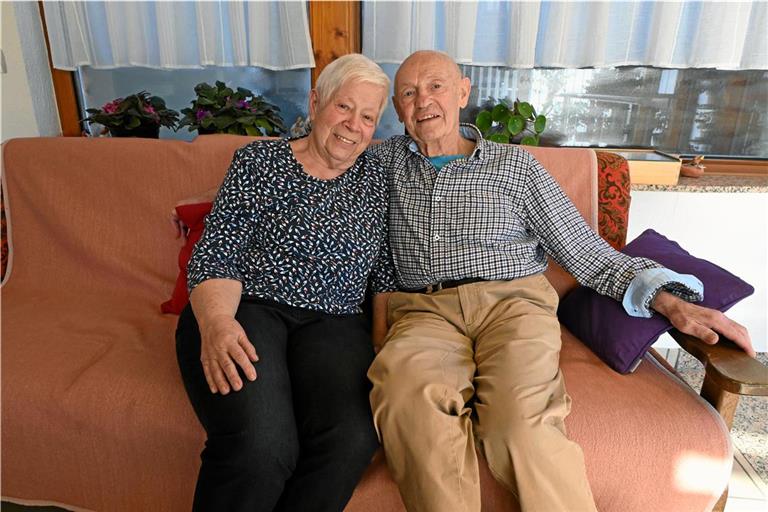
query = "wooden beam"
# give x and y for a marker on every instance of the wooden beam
(335, 31)
(64, 90)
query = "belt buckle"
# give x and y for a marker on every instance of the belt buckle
(431, 288)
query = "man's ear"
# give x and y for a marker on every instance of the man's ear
(464, 88)
(397, 109)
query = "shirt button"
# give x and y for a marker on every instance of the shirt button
(438, 199)
(437, 238)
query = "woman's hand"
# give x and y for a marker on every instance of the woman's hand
(224, 346)
(178, 225)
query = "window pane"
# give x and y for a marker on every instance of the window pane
(286, 89)
(699, 111)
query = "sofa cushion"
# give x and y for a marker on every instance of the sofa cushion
(193, 216)
(621, 340)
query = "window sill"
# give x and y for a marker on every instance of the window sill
(728, 183)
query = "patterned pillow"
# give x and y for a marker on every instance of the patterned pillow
(613, 198)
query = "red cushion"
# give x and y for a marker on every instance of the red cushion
(613, 198)
(192, 215)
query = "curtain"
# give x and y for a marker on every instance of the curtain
(174, 35)
(527, 34)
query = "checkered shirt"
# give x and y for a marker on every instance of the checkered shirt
(494, 215)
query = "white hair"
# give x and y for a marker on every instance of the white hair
(351, 67)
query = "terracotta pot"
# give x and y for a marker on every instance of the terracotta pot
(144, 131)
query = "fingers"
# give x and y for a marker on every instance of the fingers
(221, 372)
(705, 324)
(178, 225)
(735, 332)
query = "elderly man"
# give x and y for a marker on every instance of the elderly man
(471, 222)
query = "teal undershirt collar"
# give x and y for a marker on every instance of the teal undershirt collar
(440, 161)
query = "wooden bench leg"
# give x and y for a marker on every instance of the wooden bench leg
(725, 403)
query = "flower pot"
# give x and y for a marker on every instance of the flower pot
(206, 131)
(144, 131)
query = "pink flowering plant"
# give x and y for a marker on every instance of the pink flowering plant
(219, 109)
(134, 112)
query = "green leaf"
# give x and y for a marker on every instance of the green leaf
(529, 140)
(133, 123)
(501, 138)
(540, 123)
(525, 109)
(252, 131)
(483, 121)
(516, 124)
(223, 121)
(500, 113)
(264, 124)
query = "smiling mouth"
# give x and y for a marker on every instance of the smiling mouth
(344, 139)
(427, 118)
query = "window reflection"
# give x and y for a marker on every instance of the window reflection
(701, 111)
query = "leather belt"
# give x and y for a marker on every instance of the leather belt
(442, 285)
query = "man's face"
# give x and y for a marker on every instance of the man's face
(429, 92)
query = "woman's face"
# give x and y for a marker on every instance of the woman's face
(343, 127)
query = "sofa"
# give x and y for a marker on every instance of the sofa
(94, 414)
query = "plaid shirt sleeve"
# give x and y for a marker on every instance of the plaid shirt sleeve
(572, 243)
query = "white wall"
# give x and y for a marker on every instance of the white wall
(728, 229)
(28, 103)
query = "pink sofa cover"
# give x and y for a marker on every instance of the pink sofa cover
(94, 415)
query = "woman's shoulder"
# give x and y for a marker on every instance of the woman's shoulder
(264, 147)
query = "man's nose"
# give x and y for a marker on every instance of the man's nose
(423, 99)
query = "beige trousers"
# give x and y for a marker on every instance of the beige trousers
(498, 341)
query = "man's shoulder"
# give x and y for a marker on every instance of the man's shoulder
(387, 147)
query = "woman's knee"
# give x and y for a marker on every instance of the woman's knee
(253, 453)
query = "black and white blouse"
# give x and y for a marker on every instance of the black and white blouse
(296, 239)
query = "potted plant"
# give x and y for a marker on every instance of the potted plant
(504, 123)
(219, 109)
(137, 115)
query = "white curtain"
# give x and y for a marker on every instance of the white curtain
(174, 35)
(527, 34)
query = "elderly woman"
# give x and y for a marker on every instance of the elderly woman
(297, 232)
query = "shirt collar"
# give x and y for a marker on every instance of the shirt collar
(468, 131)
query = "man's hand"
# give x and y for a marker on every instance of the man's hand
(703, 323)
(224, 344)
(178, 225)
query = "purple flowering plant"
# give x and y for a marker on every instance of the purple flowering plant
(135, 112)
(220, 109)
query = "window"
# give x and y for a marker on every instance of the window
(686, 111)
(288, 90)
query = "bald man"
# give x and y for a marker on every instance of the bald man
(471, 223)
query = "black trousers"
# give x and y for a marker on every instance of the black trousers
(299, 437)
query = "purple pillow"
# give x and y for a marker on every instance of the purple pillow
(621, 340)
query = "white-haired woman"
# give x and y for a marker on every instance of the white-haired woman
(274, 350)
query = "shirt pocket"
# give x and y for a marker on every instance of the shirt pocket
(485, 217)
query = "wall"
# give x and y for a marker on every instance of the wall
(728, 229)
(26, 89)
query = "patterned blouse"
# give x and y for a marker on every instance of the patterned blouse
(296, 239)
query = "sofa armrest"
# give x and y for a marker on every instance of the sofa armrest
(727, 365)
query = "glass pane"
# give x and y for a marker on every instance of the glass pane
(687, 111)
(288, 90)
